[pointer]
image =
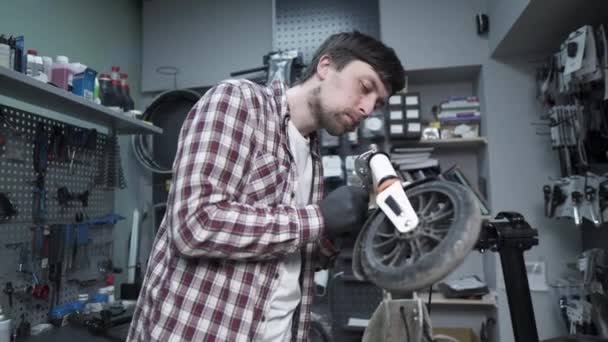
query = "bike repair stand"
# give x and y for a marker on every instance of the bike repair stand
(510, 235)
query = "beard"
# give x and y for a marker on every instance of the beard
(327, 119)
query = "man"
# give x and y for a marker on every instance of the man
(246, 225)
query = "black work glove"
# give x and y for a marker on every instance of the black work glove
(344, 210)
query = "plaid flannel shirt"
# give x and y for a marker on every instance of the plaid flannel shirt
(230, 217)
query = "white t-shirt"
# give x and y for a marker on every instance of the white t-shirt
(286, 296)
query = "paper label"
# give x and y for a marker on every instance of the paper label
(413, 127)
(396, 115)
(395, 100)
(412, 114)
(396, 129)
(411, 100)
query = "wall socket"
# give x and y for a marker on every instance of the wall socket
(537, 276)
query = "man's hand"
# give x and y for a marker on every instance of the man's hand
(344, 210)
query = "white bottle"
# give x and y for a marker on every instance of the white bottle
(31, 69)
(76, 68)
(47, 64)
(5, 328)
(5, 55)
(84, 298)
(109, 290)
(39, 67)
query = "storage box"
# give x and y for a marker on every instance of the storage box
(404, 116)
(461, 334)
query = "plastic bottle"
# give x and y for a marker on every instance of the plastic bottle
(109, 290)
(96, 91)
(5, 327)
(75, 68)
(47, 65)
(119, 101)
(106, 93)
(126, 93)
(98, 302)
(84, 299)
(60, 72)
(5, 53)
(31, 69)
(39, 65)
(111, 297)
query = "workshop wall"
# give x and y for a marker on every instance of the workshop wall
(204, 40)
(99, 34)
(432, 33)
(503, 15)
(517, 169)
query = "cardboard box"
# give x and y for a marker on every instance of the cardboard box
(83, 84)
(461, 334)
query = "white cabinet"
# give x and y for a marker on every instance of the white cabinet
(205, 40)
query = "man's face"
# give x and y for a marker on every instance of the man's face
(346, 97)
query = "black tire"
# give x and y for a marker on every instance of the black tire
(450, 221)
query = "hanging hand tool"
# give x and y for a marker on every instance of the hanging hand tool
(547, 193)
(23, 259)
(41, 146)
(58, 147)
(9, 290)
(108, 219)
(590, 197)
(64, 196)
(40, 291)
(82, 242)
(70, 246)
(46, 252)
(57, 245)
(557, 198)
(6, 207)
(40, 165)
(576, 201)
(80, 139)
(39, 201)
(24, 328)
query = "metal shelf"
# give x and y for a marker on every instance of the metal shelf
(23, 88)
(460, 143)
(487, 301)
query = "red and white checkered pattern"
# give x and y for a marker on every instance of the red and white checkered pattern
(230, 217)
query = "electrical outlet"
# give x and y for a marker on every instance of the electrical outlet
(537, 276)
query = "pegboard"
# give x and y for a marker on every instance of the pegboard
(79, 169)
(305, 24)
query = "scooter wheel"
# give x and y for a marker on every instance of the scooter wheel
(450, 221)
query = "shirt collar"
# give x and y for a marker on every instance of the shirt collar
(279, 91)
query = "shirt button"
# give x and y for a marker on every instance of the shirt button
(263, 318)
(276, 275)
(293, 194)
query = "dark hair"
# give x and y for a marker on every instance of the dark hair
(346, 47)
